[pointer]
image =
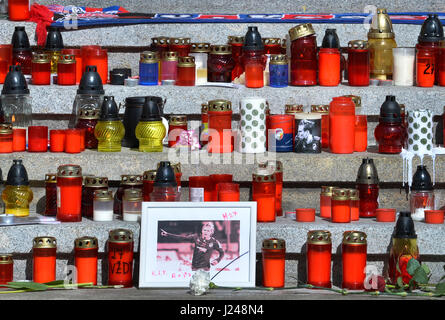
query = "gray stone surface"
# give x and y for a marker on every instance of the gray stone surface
(252, 6)
(186, 100)
(215, 33)
(297, 167)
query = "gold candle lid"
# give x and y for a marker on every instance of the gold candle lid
(358, 44)
(149, 175)
(89, 114)
(44, 243)
(340, 194)
(381, 26)
(86, 243)
(300, 31)
(327, 190)
(221, 49)
(356, 99)
(354, 237)
(149, 57)
(179, 41)
(277, 166)
(256, 177)
(161, 40)
(131, 179)
(40, 58)
(50, 178)
(6, 258)
(178, 120)
(235, 39)
(96, 182)
(278, 59)
(220, 105)
(319, 237)
(132, 195)
(274, 243)
(69, 171)
(320, 108)
(120, 236)
(293, 108)
(353, 194)
(203, 47)
(186, 62)
(170, 56)
(103, 195)
(67, 59)
(5, 128)
(271, 41)
(204, 108)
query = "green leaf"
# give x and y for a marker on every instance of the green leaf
(55, 283)
(34, 286)
(400, 282)
(426, 269)
(412, 266)
(440, 288)
(420, 276)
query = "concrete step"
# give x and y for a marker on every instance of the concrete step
(323, 167)
(18, 240)
(215, 33)
(186, 100)
(258, 6)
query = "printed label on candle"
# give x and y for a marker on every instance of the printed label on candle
(197, 194)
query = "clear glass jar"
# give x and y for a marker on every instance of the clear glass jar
(200, 51)
(403, 66)
(419, 202)
(17, 109)
(103, 205)
(132, 205)
(84, 101)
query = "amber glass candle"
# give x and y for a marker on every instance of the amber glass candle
(37, 138)
(228, 191)
(318, 258)
(44, 259)
(120, 257)
(6, 268)
(18, 140)
(57, 140)
(263, 192)
(273, 254)
(353, 249)
(69, 193)
(85, 259)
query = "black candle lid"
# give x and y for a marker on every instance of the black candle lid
(252, 39)
(330, 39)
(390, 110)
(152, 109)
(54, 39)
(20, 39)
(15, 82)
(90, 83)
(422, 180)
(165, 175)
(109, 110)
(17, 175)
(432, 29)
(404, 228)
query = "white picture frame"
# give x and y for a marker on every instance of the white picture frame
(164, 264)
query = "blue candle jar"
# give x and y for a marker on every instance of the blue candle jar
(149, 69)
(278, 71)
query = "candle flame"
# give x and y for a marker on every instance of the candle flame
(13, 119)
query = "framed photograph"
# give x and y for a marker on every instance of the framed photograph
(179, 238)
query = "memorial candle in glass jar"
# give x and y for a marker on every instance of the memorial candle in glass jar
(91, 184)
(273, 260)
(318, 258)
(103, 205)
(44, 259)
(303, 55)
(50, 195)
(85, 259)
(120, 257)
(263, 192)
(69, 193)
(6, 269)
(353, 248)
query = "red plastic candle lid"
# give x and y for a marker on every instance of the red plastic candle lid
(305, 215)
(434, 216)
(385, 215)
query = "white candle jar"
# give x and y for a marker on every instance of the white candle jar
(132, 205)
(103, 205)
(403, 66)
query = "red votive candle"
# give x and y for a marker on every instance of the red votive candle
(37, 138)
(18, 140)
(263, 192)
(72, 140)
(305, 215)
(228, 191)
(434, 216)
(215, 179)
(6, 268)
(385, 215)
(5, 138)
(78, 57)
(200, 189)
(57, 140)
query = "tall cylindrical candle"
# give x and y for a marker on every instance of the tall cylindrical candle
(69, 193)
(44, 259)
(354, 247)
(273, 260)
(120, 257)
(318, 258)
(85, 259)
